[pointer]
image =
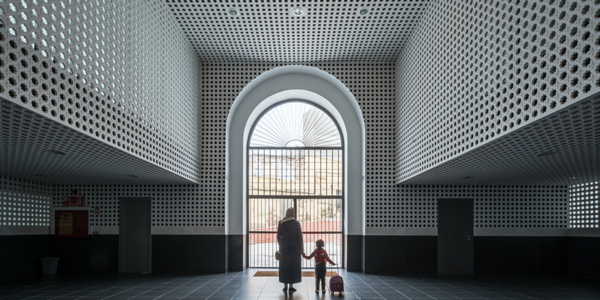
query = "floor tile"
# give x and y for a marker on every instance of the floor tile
(242, 285)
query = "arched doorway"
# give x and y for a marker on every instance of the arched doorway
(295, 158)
(272, 87)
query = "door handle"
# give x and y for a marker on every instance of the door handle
(124, 236)
(468, 237)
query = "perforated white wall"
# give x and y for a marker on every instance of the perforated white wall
(475, 70)
(388, 205)
(583, 205)
(176, 208)
(136, 85)
(200, 209)
(119, 71)
(328, 31)
(23, 204)
(371, 84)
(495, 206)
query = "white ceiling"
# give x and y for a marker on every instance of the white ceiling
(266, 31)
(27, 138)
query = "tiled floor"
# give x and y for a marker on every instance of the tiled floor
(242, 285)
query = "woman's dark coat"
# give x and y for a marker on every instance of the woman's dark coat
(289, 237)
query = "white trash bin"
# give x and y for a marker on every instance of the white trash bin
(50, 264)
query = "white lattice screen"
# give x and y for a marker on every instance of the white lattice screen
(176, 208)
(387, 205)
(83, 66)
(195, 208)
(371, 84)
(583, 205)
(24, 202)
(494, 206)
(119, 71)
(501, 63)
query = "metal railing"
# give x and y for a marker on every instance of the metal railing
(319, 219)
(293, 171)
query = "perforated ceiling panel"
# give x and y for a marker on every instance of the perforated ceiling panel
(476, 70)
(561, 149)
(122, 72)
(38, 148)
(326, 31)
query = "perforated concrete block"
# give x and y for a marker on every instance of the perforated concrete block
(174, 206)
(583, 205)
(119, 71)
(24, 202)
(476, 70)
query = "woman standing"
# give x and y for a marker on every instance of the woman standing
(291, 246)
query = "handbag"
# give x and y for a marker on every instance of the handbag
(278, 256)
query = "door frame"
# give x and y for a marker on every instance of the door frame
(342, 197)
(148, 202)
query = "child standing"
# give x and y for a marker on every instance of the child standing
(321, 257)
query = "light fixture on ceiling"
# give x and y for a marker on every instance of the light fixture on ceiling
(467, 177)
(233, 11)
(56, 152)
(297, 11)
(131, 175)
(547, 153)
(363, 11)
(573, 177)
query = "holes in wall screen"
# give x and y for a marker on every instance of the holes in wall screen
(549, 51)
(583, 205)
(55, 42)
(24, 202)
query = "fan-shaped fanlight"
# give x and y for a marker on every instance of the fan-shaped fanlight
(295, 124)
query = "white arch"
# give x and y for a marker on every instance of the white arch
(286, 83)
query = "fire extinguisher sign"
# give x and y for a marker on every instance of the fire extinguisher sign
(73, 200)
(97, 210)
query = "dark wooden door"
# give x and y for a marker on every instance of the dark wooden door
(135, 237)
(455, 236)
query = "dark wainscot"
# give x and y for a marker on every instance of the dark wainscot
(522, 255)
(400, 255)
(584, 257)
(188, 254)
(20, 255)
